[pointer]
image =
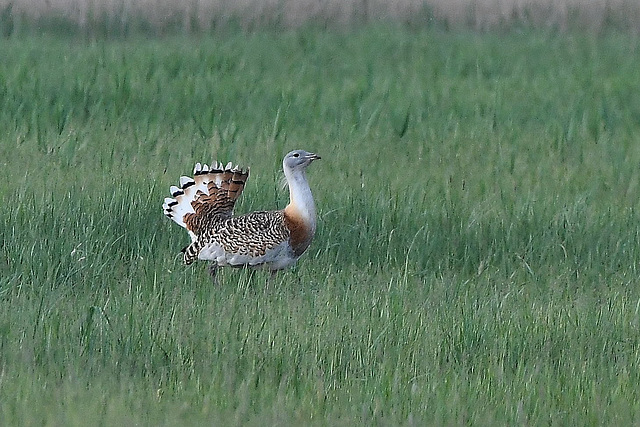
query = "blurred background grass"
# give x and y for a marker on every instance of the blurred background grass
(162, 17)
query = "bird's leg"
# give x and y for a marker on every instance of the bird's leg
(213, 272)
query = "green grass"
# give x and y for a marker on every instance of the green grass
(477, 254)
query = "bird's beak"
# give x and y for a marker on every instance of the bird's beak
(313, 156)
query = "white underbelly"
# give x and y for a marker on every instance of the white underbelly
(276, 258)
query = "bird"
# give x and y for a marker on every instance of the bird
(272, 239)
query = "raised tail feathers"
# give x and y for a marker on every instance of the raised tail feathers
(211, 193)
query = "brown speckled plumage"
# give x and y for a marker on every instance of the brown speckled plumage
(252, 234)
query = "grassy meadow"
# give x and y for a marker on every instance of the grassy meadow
(477, 258)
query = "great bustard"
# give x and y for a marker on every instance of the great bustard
(272, 239)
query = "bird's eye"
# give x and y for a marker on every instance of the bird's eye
(296, 155)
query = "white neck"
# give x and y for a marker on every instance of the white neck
(300, 198)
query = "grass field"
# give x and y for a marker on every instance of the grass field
(477, 258)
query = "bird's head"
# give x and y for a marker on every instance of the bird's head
(298, 159)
